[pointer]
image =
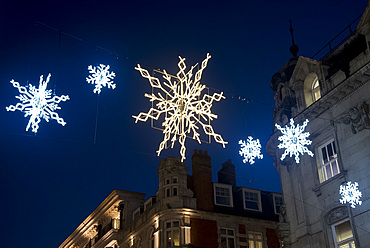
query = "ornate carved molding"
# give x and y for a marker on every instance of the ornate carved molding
(357, 117)
(337, 214)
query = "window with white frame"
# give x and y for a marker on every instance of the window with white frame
(252, 199)
(343, 236)
(223, 194)
(227, 238)
(278, 201)
(316, 94)
(171, 188)
(328, 164)
(172, 233)
(255, 239)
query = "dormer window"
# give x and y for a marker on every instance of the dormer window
(223, 194)
(316, 94)
(311, 87)
(252, 199)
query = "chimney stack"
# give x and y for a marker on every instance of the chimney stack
(202, 180)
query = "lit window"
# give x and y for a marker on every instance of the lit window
(252, 199)
(278, 201)
(223, 194)
(173, 234)
(255, 239)
(316, 95)
(227, 238)
(343, 235)
(328, 161)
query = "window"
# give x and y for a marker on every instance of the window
(173, 234)
(343, 235)
(278, 201)
(136, 214)
(174, 180)
(252, 199)
(328, 161)
(255, 239)
(316, 95)
(227, 238)
(223, 194)
(311, 88)
(174, 191)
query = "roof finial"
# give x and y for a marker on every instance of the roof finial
(293, 48)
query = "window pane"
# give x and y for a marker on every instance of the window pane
(168, 225)
(230, 232)
(324, 155)
(175, 223)
(231, 243)
(169, 239)
(223, 231)
(258, 244)
(251, 244)
(330, 151)
(174, 191)
(343, 231)
(176, 237)
(328, 172)
(334, 166)
(223, 242)
(251, 205)
(222, 200)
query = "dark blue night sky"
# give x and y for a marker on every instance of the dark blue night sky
(52, 181)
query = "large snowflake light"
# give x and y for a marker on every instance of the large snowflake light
(250, 150)
(294, 140)
(38, 103)
(184, 106)
(101, 77)
(350, 194)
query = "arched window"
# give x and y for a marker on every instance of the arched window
(316, 94)
(311, 87)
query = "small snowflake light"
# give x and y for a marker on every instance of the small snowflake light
(183, 104)
(101, 77)
(350, 194)
(250, 150)
(38, 103)
(294, 140)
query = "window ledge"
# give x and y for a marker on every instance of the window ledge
(335, 178)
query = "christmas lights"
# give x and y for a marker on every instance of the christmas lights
(250, 150)
(37, 103)
(294, 140)
(183, 104)
(101, 77)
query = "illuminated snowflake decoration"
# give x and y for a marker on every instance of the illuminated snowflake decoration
(250, 150)
(101, 77)
(350, 194)
(183, 104)
(294, 140)
(38, 103)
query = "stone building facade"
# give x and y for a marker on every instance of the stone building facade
(333, 93)
(187, 211)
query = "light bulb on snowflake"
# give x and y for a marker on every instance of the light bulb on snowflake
(350, 194)
(101, 77)
(250, 150)
(37, 103)
(294, 140)
(183, 104)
